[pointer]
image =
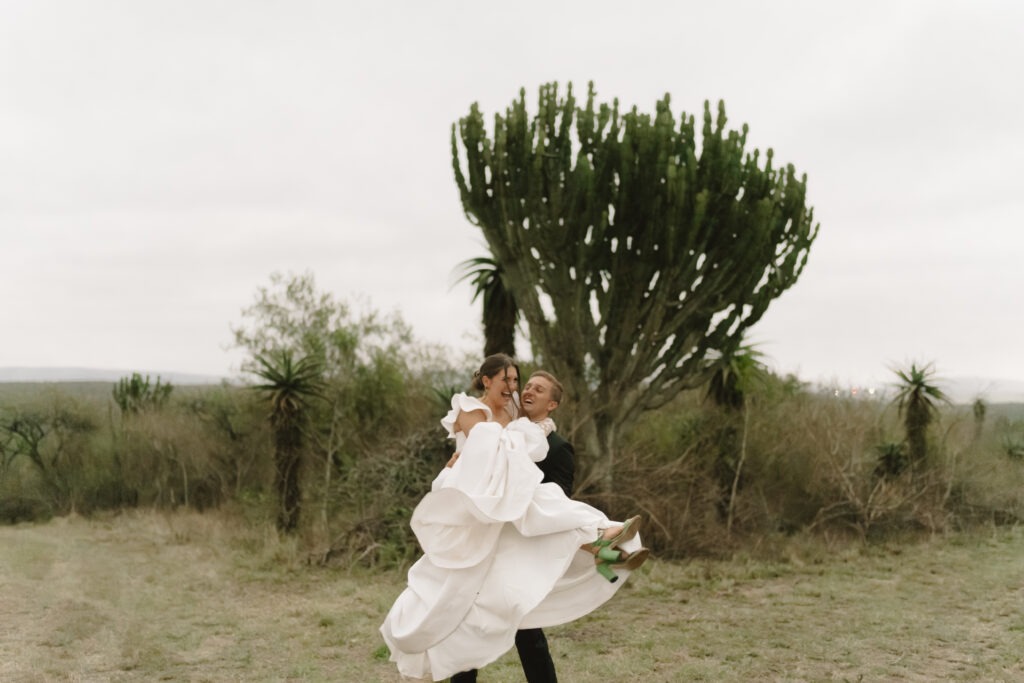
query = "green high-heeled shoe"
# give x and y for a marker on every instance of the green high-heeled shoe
(606, 555)
(608, 558)
(605, 570)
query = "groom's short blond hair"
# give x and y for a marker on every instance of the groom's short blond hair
(556, 386)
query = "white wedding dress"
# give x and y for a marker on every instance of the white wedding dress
(501, 553)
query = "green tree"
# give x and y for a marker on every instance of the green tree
(362, 357)
(50, 439)
(288, 385)
(632, 255)
(916, 400)
(293, 314)
(500, 313)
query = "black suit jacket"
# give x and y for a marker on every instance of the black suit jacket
(558, 467)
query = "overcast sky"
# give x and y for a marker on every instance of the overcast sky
(159, 160)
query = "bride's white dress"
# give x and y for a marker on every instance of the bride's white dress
(501, 552)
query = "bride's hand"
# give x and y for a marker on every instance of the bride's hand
(451, 461)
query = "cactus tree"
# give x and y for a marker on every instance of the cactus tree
(631, 253)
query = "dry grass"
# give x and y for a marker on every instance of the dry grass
(147, 597)
(188, 597)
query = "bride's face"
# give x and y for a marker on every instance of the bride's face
(498, 389)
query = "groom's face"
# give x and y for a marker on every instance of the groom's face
(536, 398)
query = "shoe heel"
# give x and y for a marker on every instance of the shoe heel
(605, 570)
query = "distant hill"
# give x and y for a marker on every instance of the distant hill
(99, 375)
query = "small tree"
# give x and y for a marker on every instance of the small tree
(361, 358)
(500, 313)
(729, 388)
(289, 385)
(735, 375)
(631, 254)
(979, 409)
(48, 438)
(916, 400)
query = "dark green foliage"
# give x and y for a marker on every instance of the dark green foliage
(892, 460)
(916, 399)
(288, 386)
(735, 375)
(632, 255)
(136, 394)
(500, 313)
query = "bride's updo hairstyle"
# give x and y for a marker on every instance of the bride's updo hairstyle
(491, 366)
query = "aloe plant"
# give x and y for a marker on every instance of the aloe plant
(288, 385)
(500, 313)
(917, 400)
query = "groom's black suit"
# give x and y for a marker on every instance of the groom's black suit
(558, 465)
(531, 644)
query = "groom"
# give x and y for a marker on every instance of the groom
(539, 398)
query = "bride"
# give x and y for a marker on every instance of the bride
(502, 551)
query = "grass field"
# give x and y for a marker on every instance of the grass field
(187, 597)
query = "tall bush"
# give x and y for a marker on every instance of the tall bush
(372, 379)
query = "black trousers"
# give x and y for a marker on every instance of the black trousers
(534, 655)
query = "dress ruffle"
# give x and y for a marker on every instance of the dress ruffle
(463, 403)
